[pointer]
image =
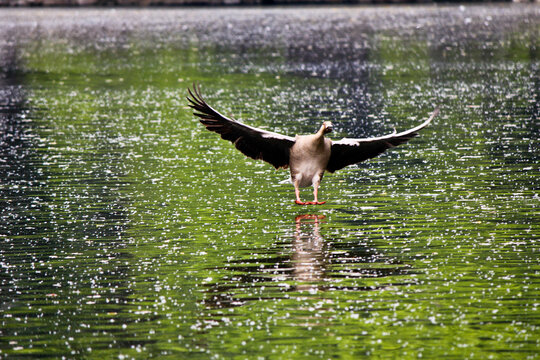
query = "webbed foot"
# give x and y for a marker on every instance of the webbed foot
(310, 202)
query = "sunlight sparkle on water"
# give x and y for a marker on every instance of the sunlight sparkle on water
(132, 232)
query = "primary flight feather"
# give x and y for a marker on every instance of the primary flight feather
(306, 156)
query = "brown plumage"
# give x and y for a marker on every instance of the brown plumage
(307, 156)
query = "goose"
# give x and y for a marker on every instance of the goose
(306, 156)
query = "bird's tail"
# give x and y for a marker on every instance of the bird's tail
(286, 181)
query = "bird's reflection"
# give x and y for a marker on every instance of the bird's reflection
(302, 260)
(308, 257)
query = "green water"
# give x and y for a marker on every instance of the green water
(129, 231)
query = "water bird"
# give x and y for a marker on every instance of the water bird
(306, 156)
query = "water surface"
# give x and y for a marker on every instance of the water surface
(129, 231)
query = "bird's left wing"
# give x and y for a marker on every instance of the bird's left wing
(256, 143)
(351, 151)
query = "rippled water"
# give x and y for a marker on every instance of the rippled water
(129, 231)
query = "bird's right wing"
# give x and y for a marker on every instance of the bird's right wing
(351, 151)
(256, 143)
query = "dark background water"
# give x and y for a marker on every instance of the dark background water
(129, 231)
(230, 3)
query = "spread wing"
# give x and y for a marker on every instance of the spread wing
(351, 151)
(256, 143)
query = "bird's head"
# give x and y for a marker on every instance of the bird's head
(326, 127)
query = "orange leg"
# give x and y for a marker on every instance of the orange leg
(297, 194)
(315, 195)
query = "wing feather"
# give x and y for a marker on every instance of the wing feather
(351, 151)
(256, 143)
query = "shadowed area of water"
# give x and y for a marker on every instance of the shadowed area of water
(129, 231)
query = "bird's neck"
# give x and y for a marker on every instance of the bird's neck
(319, 138)
(320, 133)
